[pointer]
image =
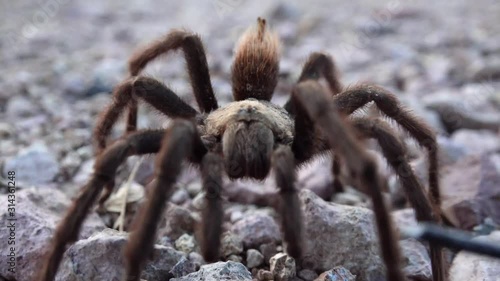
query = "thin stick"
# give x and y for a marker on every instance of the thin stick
(120, 221)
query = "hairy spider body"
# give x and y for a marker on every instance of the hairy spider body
(246, 139)
(246, 133)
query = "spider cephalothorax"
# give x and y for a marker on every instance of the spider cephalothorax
(248, 138)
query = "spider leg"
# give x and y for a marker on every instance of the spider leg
(319, 65)
(355, 97)
(212, 167)
(143, 142)
(311, 98)
(196, 60)
(289, 206)
(149, 90)
(395, 153)
(180, 143)
(256, 64)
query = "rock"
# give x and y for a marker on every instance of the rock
(337, 274)
(268, 250)
(34, 165)
(186, 243)
(177, 221)
(37, 214)
(235, 258)
(417, 263)
(254, 258)
(476, 142)
(180, 196)
(183, 267)
(282, 267)
(229, 271)
(257, 229)
(469, 190)
(231, 244)
(328, 238)
(20, 106)
(265, 275)
(404, 218)
(307, 275)
(196, 259)
(106, 249)
(472, 267)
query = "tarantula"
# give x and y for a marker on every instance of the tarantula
(246, 139)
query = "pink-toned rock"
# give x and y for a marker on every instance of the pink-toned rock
(257, 229)
(37, 214)
(470, 190)
(472, 267)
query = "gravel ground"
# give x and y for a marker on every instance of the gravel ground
(61, 58)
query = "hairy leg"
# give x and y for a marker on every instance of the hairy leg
(143, 142)
(196, 60)
(212, 167)
(319, 65)
(356, 97)
(178, 144)
(319, 106)
(395, 154)
(289, 205)
(149, 90)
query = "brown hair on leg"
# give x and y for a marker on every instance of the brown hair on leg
(177, 145)
(196, 61)
(321, 65)
(320, 107)
(212, 167)
(289, 204)
(105, 168)
(395, 154)
(356, 97)
(256, 64)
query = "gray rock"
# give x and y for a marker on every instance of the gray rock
(229, 271)
(472, 267)
(186, 243)
(282, 267)
(257, 229)
(177, 221)
(264, 275)
(231, 244)
(268, 250)
(254, 258)
(328, 237)
(417, 263)
(235, 258)
(307, 275)
(37, 213)
(337, 274)
(20, 106)
(34, 165)
(183, 267)
(476, 142)
(105, 249)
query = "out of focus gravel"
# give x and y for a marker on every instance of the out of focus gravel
(61, 58)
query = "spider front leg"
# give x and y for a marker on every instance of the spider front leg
(395, 153)
(104, 171)
(149, 90)
(181, 142)
(212, 166)
(356, 97)
(289, 206)
(313, 103)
